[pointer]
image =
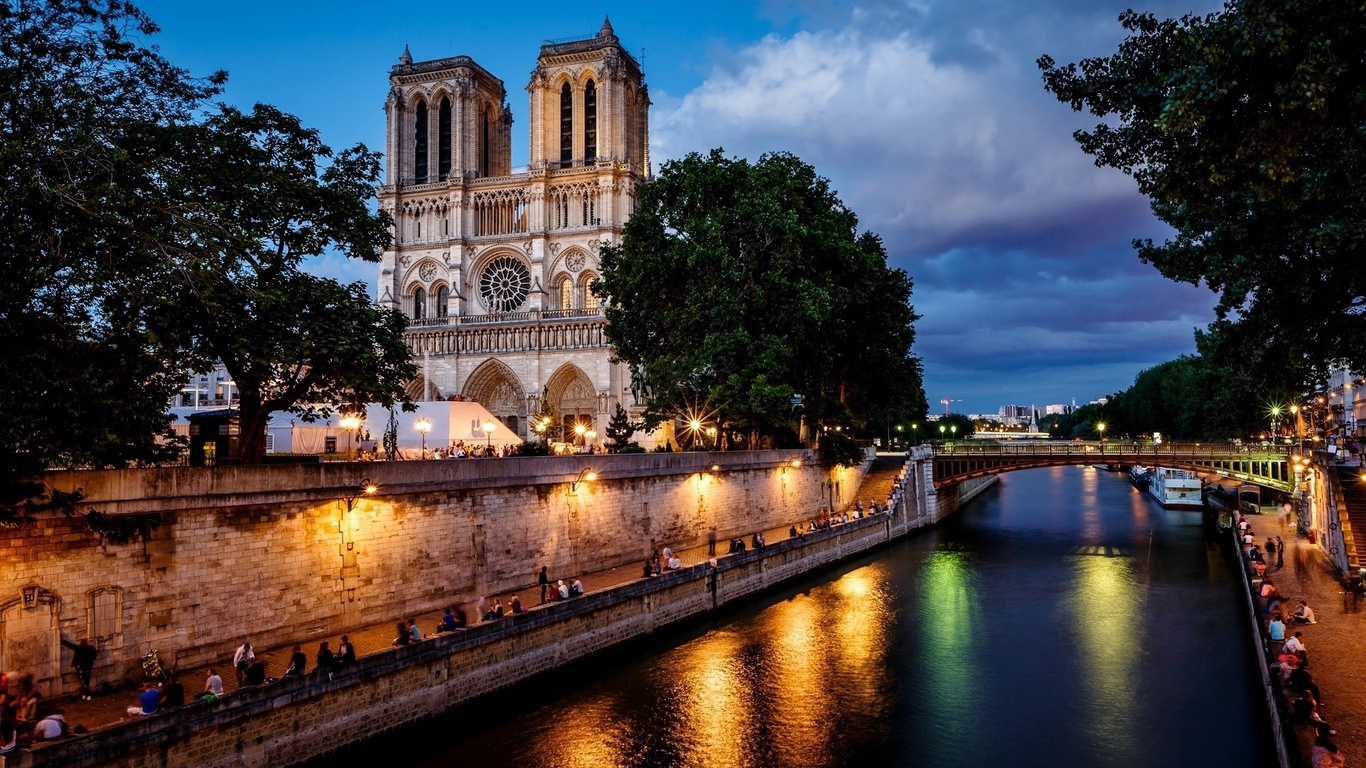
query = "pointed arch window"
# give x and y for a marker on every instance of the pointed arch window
(590, 123)
(420, 304)
(590, 299)
(566, 293)
(566, 126)
(420, 144)
(484, 158)
(443, 296)
(443, 128)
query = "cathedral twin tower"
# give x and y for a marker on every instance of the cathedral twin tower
(495, 268)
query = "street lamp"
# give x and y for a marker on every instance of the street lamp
(591, 435)
(915, 436)
(941, 433)
(580, 430)
(365, 488)
(953, 428)
(350, 422)
(423, 425)
(489, 426)
(1100, 427)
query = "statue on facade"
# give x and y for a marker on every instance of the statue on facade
(640, 389)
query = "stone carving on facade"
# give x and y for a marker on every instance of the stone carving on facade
(526, 247)
(427, 271)
(593, 246)
(575, 261)
(554, 249)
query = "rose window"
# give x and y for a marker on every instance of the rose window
(505, 284)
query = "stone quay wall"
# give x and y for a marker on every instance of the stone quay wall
(281, 553)
(299, 719)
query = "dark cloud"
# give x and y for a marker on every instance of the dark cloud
(931, 121)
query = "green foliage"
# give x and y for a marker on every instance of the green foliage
(619, 430)
(1244, 129)
(737, 285)
(533, 448)
(837, 448)
(92, 347)
(965, 427)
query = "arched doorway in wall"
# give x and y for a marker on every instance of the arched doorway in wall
(494, 386)
(572, 394)
(29, 639)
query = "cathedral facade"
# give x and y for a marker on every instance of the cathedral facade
(493, 267)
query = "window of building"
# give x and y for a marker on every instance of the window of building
(443, 127)
(566, 126)
(105, 616)
(443, 295)
(330, 444)
(484, 159)
(590, 299)
(420, 144)
(505, 284)
(566, 293)
(590, 123)
(419, 304)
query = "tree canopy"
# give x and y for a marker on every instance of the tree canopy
(739, 284)
(144, 228)
(1244, 129)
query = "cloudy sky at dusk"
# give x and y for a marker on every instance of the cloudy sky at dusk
(928, 116)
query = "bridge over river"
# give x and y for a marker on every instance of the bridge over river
(1265, 466)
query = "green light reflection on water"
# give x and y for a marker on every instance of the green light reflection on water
(949, 614)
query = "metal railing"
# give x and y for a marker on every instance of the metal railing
(499, 318)
(1108, 448)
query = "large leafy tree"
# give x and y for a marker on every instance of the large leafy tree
(269, 195)
(91, 339)
(738, 285)
(126, 206)
(1244, 128)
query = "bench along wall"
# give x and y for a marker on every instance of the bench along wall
(297, 719)
(274, 554)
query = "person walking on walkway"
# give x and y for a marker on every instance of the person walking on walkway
(242, 660)
(544, 581)
(711, 542)
(1280, 553)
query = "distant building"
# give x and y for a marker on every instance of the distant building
(1345, 399)
(1057, 409)
(203, 391)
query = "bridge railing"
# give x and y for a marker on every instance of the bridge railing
(1100, 449)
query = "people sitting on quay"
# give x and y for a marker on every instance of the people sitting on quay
(297, 662)
(576, 589)
(326, 661)
(256, 673)
(516, 605)
(213, 685)
(737, 546)
(1305, 614)
(9, 735)
(148, 700)
(1305, 711)
(675, 562)
(496, 611)
(172, 693)
(647, 572)
(1325, 754)
(1276, 630)
(1296, 646)
(1300, 681)
(448, 622)
(562, 589)
(50, 728)
(414, 630)
(346, 652)
(403, 637)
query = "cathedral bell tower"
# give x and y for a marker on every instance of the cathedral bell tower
(589, 103)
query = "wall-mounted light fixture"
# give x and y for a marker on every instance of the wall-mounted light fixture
(365, 488)
(585, 476)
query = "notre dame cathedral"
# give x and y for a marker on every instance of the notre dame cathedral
(495, 267)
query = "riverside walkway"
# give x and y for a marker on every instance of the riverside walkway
(1333, 643)
(109, 710)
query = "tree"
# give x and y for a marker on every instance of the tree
(1244, 129)
(93, 349)
(619, 431)
(956, 425)
(738, 285)
(269, 195)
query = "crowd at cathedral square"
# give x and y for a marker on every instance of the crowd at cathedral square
(1287, 652)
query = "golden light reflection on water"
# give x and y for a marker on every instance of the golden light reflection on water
(715, 711)
(583, 740)
(1106, 603)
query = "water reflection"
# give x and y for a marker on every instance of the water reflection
(1106, 604)
(1013, 635)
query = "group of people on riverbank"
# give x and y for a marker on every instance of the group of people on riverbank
(1288, 656)
(22, 722)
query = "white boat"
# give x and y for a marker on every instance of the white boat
(1176, 488)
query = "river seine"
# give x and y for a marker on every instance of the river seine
(1060, 620)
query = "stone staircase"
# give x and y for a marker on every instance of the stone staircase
(1354, 503)
(881, 478)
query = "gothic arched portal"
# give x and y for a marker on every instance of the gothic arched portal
(494, 386)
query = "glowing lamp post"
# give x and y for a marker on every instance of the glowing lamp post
(489, 426)
(423, 425)
(1100, 427)
(351, 423)
(580, 430)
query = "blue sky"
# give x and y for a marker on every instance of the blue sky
(928, 116)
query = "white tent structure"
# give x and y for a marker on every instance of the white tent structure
(452, 422)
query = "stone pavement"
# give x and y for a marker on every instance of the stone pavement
(110, 709)
(1333, 644)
